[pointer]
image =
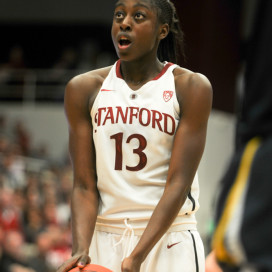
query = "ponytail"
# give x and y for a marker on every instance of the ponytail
(170, 48)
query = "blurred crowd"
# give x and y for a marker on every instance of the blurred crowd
(35, 231)
(20, 74)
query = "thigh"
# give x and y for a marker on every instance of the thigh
(177, 252)
(106, 251)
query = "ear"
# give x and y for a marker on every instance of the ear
(164, 30)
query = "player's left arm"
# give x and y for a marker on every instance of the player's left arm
(194, 92)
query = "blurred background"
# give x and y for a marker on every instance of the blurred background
(46, 43)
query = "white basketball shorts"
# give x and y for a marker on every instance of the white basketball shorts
(179, 251)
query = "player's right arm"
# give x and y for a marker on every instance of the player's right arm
(79, 96)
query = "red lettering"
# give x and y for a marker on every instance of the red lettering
(143, 118)
(162, 121)
(99, 115)
(109, 116)
(132, 114)
(156, 118)
(120, 113)
(95, 118)
(167, 125)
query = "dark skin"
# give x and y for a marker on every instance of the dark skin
(137, 21)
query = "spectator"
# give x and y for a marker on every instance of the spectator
(10, 217)
(34, 214)
(33, 224)
(15, 61)
(13, 257)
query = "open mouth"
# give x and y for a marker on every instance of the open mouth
(124, 42)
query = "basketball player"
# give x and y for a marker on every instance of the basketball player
(137, 134)
(242, 239)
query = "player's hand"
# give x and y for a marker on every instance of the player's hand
(79, 260)
(130, 265)
(211, 264)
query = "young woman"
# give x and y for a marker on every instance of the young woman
(137, 134)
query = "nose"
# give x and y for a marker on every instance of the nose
(126, 24)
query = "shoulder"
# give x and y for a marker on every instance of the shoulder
(192, 87)
(84, 87)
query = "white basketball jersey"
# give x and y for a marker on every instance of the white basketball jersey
(133, 133)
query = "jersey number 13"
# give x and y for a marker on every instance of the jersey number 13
(139, 151)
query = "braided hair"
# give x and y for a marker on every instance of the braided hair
(171, 47)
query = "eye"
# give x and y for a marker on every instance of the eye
(139, 16)
(118, 15)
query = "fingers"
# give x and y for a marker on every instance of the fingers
(83, 260)
(65, 267)
(76, 261)
(129, 265)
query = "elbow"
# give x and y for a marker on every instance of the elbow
(85, 186)
(179, 189)
(179, 186)
(86, 194)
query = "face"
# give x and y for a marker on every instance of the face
(136, 31)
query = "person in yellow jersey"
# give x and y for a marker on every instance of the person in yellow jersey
(242, 237)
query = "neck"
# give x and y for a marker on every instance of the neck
(139, 72)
